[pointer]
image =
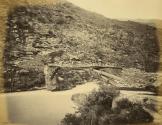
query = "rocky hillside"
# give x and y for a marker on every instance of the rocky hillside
(66, 34)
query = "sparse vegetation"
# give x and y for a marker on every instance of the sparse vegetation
(65, 34)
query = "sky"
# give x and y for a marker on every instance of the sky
(123, 9)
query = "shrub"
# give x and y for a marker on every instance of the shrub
(95, 104)
(97, 110)
(71, 119)
(129, 112)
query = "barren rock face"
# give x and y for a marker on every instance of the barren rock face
(66, 34)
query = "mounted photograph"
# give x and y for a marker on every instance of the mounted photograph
(80, 62)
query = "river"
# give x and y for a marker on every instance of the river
(42, 107)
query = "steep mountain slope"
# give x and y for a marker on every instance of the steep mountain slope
(66, 34)
(151, 22)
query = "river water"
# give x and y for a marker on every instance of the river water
(42, 107)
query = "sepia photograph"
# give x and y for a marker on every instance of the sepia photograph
(80, 62)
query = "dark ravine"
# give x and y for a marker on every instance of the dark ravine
(65, 34)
